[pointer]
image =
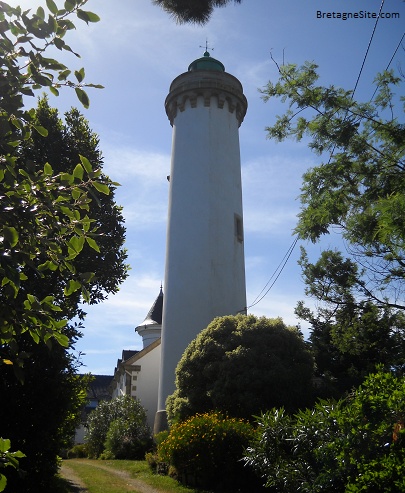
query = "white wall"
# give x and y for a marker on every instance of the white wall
(147, 379)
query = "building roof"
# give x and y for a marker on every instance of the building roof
(206, 63)
(140, 354)
(154, 316)
(98, 388)
(127, 353)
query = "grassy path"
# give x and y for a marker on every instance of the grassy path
(94, 476)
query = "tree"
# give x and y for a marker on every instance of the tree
(242, 365)
(350, 340)
(196, 11)
(40, 416)
(359, 190)
(62, 148)
(43, 216)
(120, 428)
(54, 417)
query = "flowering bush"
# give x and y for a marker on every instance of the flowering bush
(207, 449)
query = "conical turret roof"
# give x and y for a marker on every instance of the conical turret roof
(154, 316)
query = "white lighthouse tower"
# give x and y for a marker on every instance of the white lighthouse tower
(205, 269)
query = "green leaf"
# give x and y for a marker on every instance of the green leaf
(79, 74)
(48, 171)
(61, 338)
(67, 178)
(92, 243)
(19, 454)
(40, 13)
(17, 123)
(76, 193)
(34, 336)
(86, 221)
(60, 44)
(41, 130)
(3, 482)
(69, 5)
(96, 86)
(87, 16)
(86, 294)
(71, 287)
(59, 324)
(4, 445)
(76, 243)
(101, 187)
(11, 235)
(78, 171)
(86, 163)
(64, 74)
(54, 91)
(52, 6)
(82, 96)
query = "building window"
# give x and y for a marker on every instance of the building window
(238, 228)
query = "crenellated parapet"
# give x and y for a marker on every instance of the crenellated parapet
(219, 88)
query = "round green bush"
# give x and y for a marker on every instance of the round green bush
(242, 365)
(206, 451)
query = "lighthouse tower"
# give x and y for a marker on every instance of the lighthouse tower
(205, 270)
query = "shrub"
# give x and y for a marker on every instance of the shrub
(128, 439)
(118, 427)
(78, 451)
(206, 451)
(352, 446)
(243, 365)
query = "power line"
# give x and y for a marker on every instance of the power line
(278, 271)
(368, 48)
(360, 71)
(389, 63)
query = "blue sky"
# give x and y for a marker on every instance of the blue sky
(135, 52)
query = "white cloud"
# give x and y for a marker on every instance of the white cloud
(125, 163)
(144, 188)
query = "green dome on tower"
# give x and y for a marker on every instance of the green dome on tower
(206, 63)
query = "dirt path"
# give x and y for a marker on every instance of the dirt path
(139, 486)
(73, 478)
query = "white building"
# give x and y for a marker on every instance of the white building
(137, 372)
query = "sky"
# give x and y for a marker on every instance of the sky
(135, 51)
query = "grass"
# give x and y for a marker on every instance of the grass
(98, 480)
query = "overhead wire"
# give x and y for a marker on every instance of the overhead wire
(368, 48)
(389, 63)
(276, 273)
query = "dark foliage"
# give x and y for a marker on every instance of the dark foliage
(195, 11)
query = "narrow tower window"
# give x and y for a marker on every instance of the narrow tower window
(238, 228)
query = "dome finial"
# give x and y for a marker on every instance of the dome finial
(206, 62)
(206, 53)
